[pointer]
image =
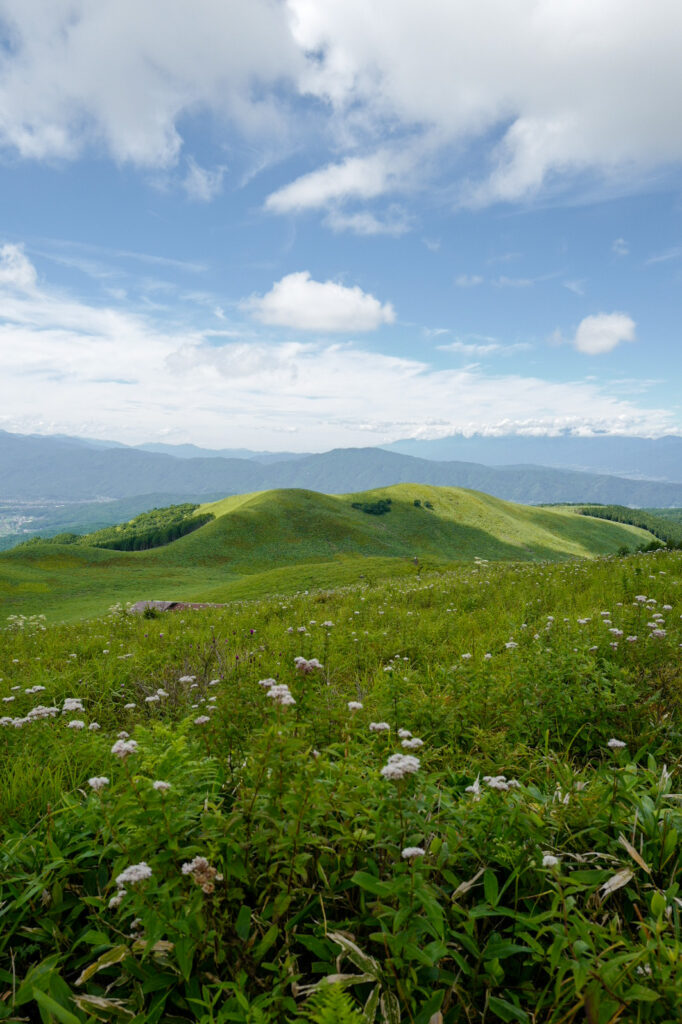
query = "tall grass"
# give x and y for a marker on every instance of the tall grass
(526, 869)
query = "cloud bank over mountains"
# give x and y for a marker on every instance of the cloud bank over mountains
(85, 364)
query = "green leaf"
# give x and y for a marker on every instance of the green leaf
(642, 994)
(390, 1008)
(507, 1011)
(264, 945)
(490, 887)
(427, 1011)
(112, 956)
(370, 1009)
(243, 923)
(52, 1006)
(371, 884)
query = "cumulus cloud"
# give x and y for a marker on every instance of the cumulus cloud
(299, 302)
(603, 332)
(620, 247)
(468, 280)
(120, 76)
(551, 89)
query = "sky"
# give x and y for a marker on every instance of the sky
(306, 224)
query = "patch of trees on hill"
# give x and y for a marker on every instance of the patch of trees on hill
(668, 531)
(373, 508)
(153, 529)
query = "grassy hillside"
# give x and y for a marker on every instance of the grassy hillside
(290, 540)
(464, 802)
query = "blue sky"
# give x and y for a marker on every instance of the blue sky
(302, 224)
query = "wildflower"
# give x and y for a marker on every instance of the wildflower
(7, 700)
(186, 679)
(354, 705)
(615, 744)
(400, 765)
(328, 624)
(631, 639)
(281, 695)
(161, 787)
(658, 633)
(510, 645)
(549, 861)
(412, 744)
(404, 734)
(496, 781)
(307, 666)
(129, 707)
(98, 782)
(379, 727)
(412, 851)
(202, 873)
(475, 788)
(134, 874)
(267, 682)
(72, 704)
(152, 698)
(487, 657)
(116, 900)
(123, 735)
(202, 720)
(122, 748)
(76, 724)
(161, 693)
(465, 657)
(94, 726)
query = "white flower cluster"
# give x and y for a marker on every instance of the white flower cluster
(72, 704)
(281, 695)
(615, 744)
(305, 667)
(122, 748)
(379, 727)
(160, 786)
(202, 720)
(134, 874)
(354, 705)
(400, 765)
(410, 852)
(98, 782)
(267, 682)
(412, 744)
(202, 873)
(36, 714)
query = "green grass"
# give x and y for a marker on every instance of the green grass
(519, 670)
(289, 540)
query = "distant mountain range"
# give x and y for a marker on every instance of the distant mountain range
(641, 458)
(62, 469)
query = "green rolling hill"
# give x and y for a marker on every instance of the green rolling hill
(290, 540)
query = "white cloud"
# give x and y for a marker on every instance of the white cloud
(355, 178)
(201, 184)
(569, 86)
(468, 280)
(603, 332)
(299, 302)
(120, 75)
(620, 247)
(395, 222)
(16, 270)
(577, 287)
(550, 88)
(481, 349)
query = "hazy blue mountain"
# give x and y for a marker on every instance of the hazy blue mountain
(52, 469)
(637, 457)
(193, 451)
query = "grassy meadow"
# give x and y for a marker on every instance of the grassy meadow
(291, 540)
(451, 796)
